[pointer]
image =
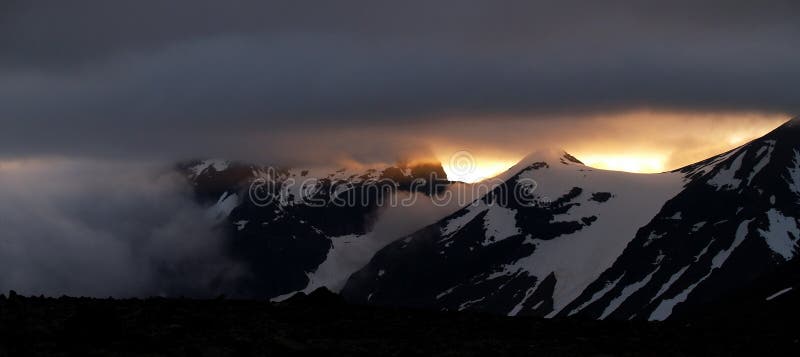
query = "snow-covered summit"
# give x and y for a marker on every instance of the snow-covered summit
(604, 244)
(520, 251)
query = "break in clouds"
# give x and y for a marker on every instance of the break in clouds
(277, 80)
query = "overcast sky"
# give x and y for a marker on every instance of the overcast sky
(306, 80)
(97, 95)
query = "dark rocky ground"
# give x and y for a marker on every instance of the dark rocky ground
(321, 324)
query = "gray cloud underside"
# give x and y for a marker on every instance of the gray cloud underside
(166, 77)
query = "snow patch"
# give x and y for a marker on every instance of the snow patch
(283, 297)
(500, 223)
(514, 311)
(467, 304)
(764, 160)
(609, 286)
(697, 169)
(240, 224)
(794, 173)
(782, 234)
(626, 293)
(445, 293)
(338, 264)
(456, 223)
(664, 309)
(779, 293)
(538, 304)
(350, 253)
(697, 226)
(224, 206)
(217, 165)
(704, 251)
(725, 178)
(669, 282)
(652, 238)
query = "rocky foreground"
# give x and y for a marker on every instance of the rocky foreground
(321, 323)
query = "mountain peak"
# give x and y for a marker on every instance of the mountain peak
(550, 154)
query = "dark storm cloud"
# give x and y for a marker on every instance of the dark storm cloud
(177, 78)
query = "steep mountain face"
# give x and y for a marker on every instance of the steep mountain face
(530, 246)
(606, 244)
(287, 224)
(736, 222)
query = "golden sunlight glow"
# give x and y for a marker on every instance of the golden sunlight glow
(11, 165)
(628, 163)
(477, 170)
(640, 141)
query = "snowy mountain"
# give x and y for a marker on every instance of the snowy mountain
(557, 238)
(300, 229)
(735, 222)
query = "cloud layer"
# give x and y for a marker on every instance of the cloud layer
(181, 78)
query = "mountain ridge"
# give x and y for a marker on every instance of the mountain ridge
(760, 176)
(552, 236)
(284, 223)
